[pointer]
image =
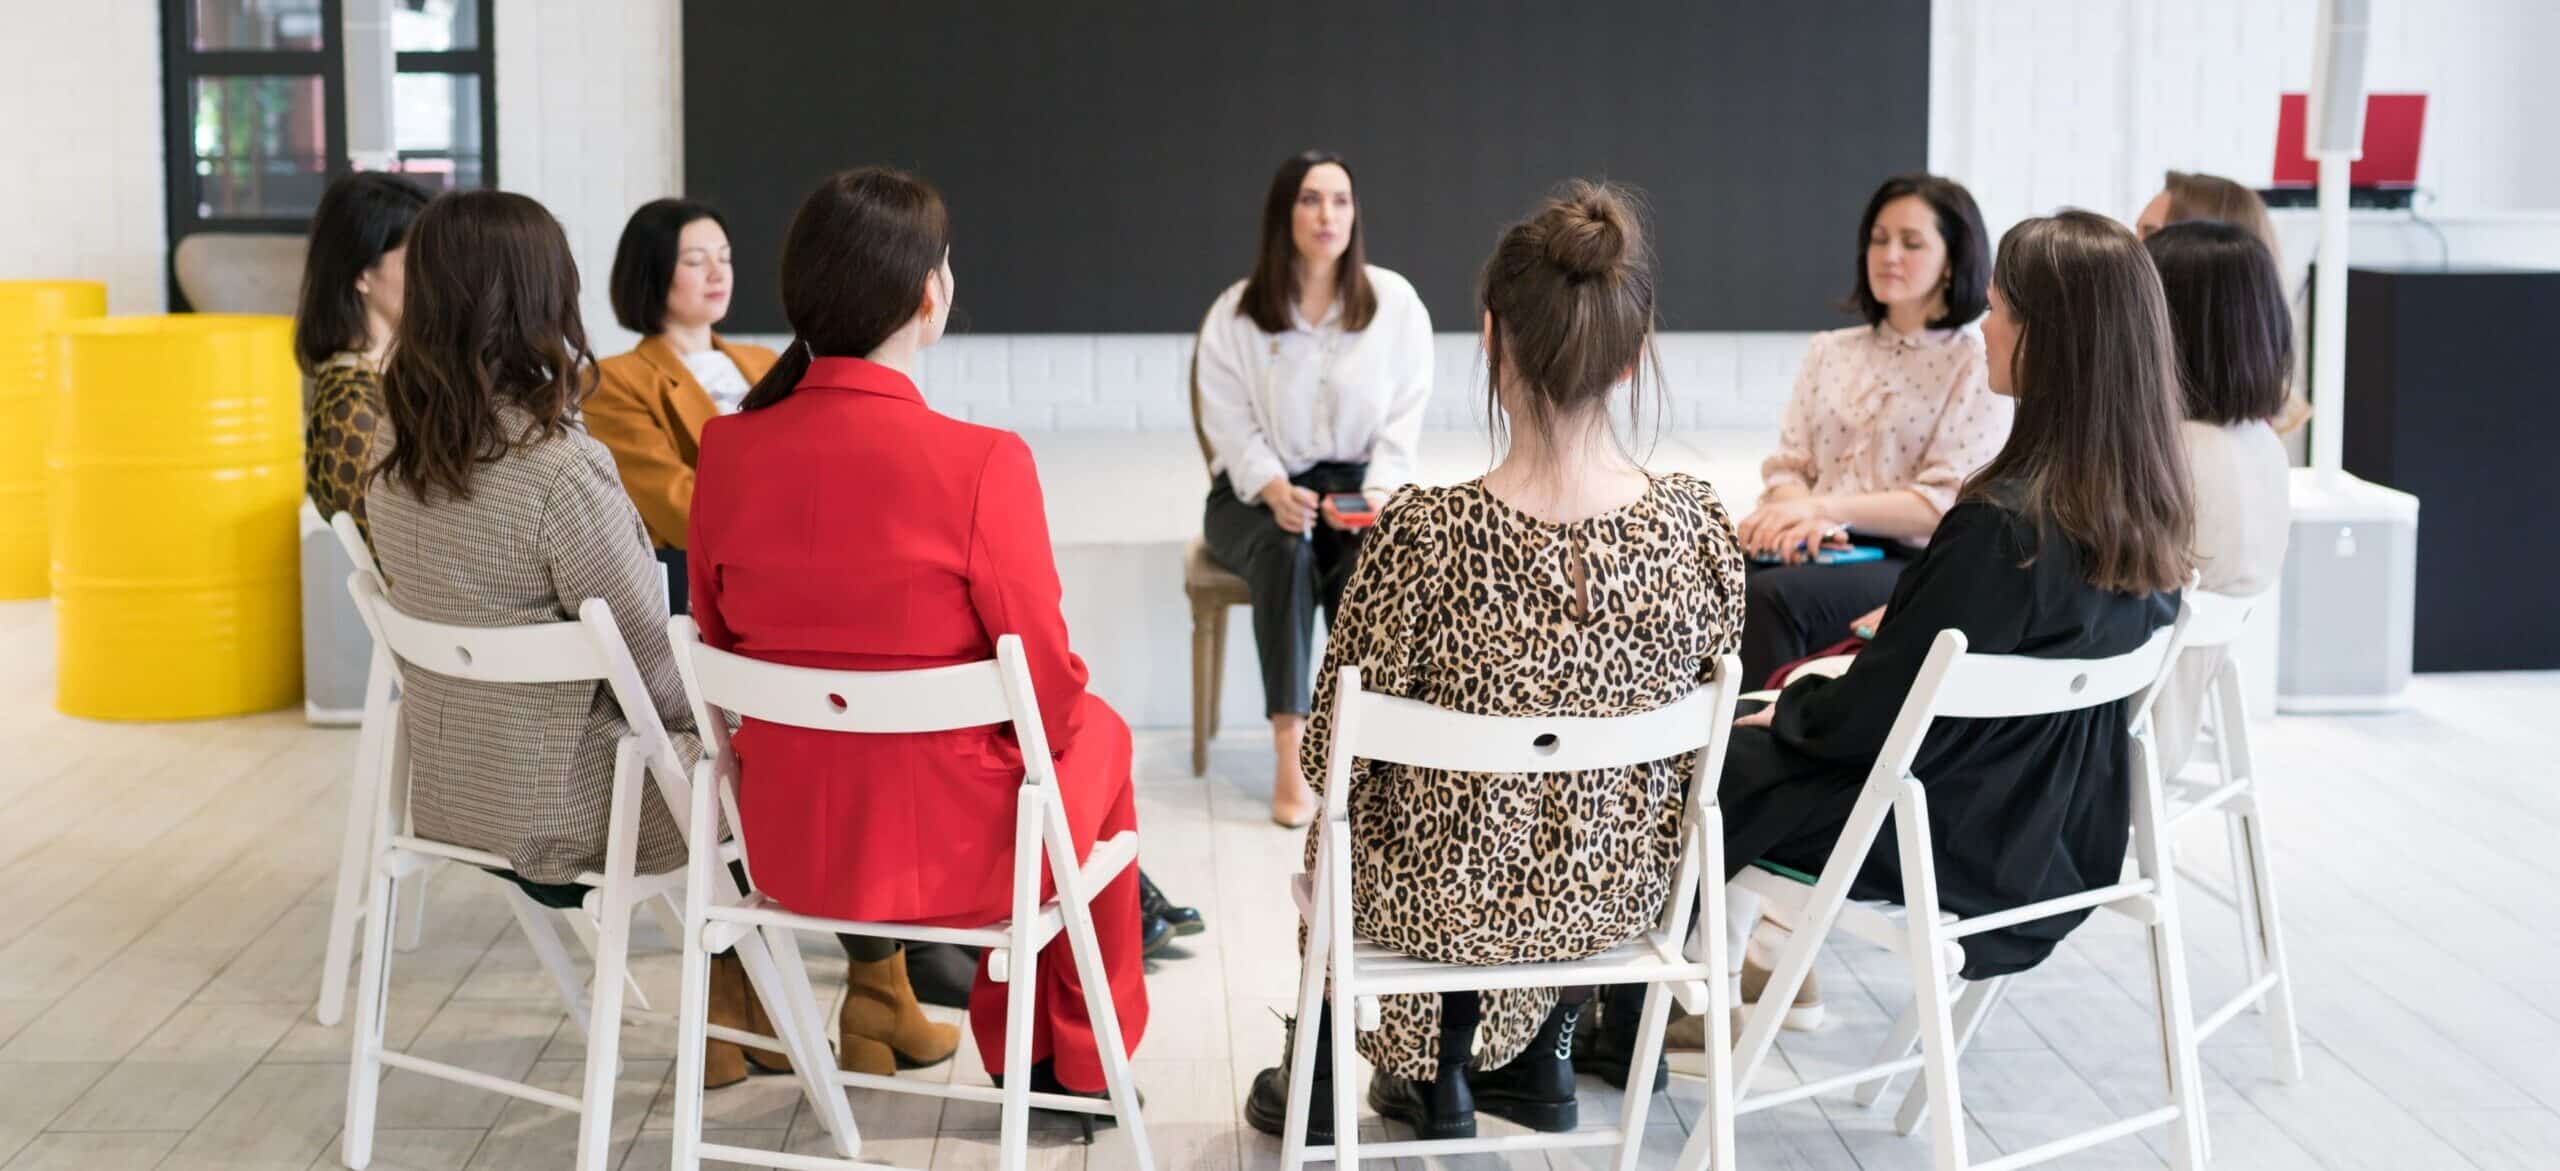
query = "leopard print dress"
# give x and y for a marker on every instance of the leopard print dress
(338, 437)
(1461, 601)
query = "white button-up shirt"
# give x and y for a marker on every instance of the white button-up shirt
(1274, 405)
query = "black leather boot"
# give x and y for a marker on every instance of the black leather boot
(1608, 1041)
(1443, 1107)
(1536, 1088)
(1267, 1107)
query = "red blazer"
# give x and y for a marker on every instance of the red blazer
(851, 526)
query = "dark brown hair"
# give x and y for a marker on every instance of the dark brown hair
(2094, 451)
(490, 318)
(360, 217)
(1959, 227)
(2212, 197)
(1571, 294)
(644, 263)
(1273, 287)
(853, 269)
(2227, 310)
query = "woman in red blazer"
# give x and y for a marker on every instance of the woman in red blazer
(839, 522)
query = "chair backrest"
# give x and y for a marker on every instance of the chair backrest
(586, 649)
(1371, 726)
(1956, 684)
(936, 699)
(1208, 459)
(2210, 619)
(351, 539)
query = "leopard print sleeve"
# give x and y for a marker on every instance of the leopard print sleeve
(1380, 607)
(337, 440)
(1720, 551)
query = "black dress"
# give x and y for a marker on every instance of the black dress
(2020, 810)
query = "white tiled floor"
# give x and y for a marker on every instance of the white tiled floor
(168, 886)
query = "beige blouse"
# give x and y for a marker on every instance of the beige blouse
(1875, 410)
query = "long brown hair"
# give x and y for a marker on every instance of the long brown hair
(490, 317)
(2094, 451)
(2227, 308)
(1273, 287)
(853, 269)
(2194, 196)
(1571, 294)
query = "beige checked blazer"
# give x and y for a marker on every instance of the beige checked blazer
(521, 770)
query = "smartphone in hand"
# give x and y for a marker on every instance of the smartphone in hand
(1351, 510)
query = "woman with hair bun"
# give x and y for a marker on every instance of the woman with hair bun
(1567, 581)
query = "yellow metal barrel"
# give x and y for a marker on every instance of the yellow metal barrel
(27, 403)
(175, 475)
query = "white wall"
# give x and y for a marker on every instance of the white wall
(80, 148)
(2040, 105)
(2035, 103)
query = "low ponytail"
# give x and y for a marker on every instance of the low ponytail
(853, 270)
(778, 382)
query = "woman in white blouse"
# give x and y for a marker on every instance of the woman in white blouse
(1887, 420)
(2235, 359)
(1313, 375)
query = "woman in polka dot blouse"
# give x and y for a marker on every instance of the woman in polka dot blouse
(1887, 420)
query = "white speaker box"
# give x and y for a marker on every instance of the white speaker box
(2349, 602)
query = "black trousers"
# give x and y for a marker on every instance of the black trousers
(1790, 611)
(679, 589)
(1289, 575)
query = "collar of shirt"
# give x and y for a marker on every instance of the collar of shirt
(1917, 340)
(861, 376)
(1332, 316)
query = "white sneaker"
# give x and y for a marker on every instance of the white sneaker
(1804, 1016)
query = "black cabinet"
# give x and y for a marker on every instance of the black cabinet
(2453, 395)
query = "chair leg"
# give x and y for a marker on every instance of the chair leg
(1639, 1097)
(537, 922)
(1929, 977)
(1014, 1144)
(1973, 1006)
(1312, 970)
(2281, 1031)
(2187, 1147)
(1346, 1095)
(373, 996)
(412, 909)
(1217, 668)
(1086, 951)
(1898, 1044)
(355, 843)
(778, 977)
(1711, 1143)
(612, 955)
(693, 1022)
(1202, 725)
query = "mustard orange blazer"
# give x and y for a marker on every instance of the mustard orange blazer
(648, 411)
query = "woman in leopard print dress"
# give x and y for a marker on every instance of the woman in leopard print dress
(350, 308)
(1567, 581)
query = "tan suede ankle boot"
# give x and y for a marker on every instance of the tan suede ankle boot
(881, 1027)
(734, 1005)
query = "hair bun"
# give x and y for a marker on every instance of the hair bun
(1589, 232)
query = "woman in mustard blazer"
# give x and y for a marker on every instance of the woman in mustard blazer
(671, 284)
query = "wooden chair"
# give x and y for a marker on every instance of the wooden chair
(1213, 592)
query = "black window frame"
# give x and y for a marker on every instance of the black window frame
(182, 64)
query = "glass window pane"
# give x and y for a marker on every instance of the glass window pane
(261, 146)
(257, 24)
(435, 124)
(434, 26)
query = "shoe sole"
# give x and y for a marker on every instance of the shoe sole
(1189, 928)
(1545, 1116)
(1278, 1127)
(1420, 1123)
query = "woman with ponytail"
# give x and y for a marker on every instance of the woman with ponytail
(841, 522)
(1567, 581)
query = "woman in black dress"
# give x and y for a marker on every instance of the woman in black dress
(2071, 543)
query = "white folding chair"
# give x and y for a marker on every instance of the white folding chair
(1385, 728)
(587, 649)
(717, 917)
(355, 846)
(1955, 685)
(2216, 621)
